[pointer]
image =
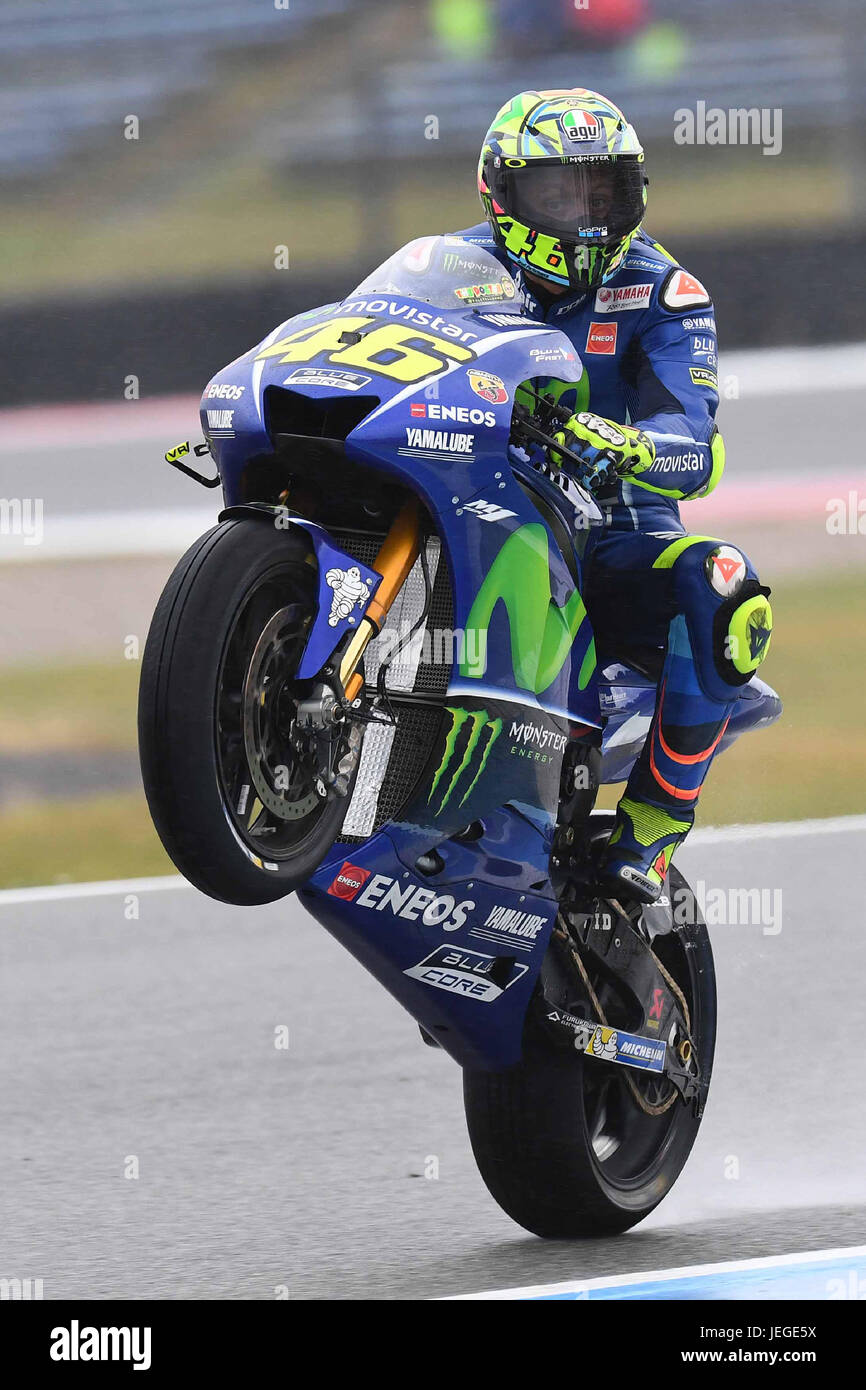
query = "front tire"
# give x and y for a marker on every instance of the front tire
(559, 1140)
(215, 716)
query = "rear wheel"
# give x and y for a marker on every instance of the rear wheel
(571, 1146)
(238, 792)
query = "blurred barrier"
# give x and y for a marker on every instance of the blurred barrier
(815, 78)
(69, 77)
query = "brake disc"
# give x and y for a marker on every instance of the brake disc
(271, 757)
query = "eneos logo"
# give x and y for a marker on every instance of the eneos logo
(601, 338)
(349, 882)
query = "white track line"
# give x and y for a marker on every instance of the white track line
(795, 371)
(710, 835)
(106, 888)
(775, 830)
(109, 535)
(95, 424)
(659, 1276)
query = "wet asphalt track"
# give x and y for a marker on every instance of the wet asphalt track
(260, 1168)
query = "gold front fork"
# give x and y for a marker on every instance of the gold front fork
(398, 554)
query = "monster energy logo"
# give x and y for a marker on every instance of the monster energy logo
(482, 734)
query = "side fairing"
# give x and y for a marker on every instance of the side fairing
(523, 653)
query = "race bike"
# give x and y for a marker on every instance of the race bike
(374, 683)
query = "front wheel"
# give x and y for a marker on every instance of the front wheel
(570, 1146)
(232, 784)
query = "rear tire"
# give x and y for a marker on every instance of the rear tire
(531, 1127)
(204, 632)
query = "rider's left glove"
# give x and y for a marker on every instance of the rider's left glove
(608, 450)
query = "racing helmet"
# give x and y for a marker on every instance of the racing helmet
(561, 177)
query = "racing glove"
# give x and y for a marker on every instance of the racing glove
(607, 450)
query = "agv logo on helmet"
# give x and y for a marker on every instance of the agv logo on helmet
(581, 125)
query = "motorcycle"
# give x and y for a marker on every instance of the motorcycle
(374, 683)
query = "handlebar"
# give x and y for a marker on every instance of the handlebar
(525, 425)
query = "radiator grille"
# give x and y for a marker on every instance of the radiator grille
(392, 759)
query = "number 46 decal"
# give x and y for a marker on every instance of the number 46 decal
(393, 350)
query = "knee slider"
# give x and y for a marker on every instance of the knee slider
(742, 628)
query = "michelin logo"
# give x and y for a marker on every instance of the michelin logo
(627, 1049)
(349, 591)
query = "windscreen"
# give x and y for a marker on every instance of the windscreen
(445, 272)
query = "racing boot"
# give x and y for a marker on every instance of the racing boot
(657, 810)
(636, 859)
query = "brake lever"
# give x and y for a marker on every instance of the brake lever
(591, 483)
(174, 456)
(540, 437)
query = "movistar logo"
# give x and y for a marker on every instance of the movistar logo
(475, 733)
(542, 634)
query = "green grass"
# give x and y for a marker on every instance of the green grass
(80, 841)
(809, 764)
(74, 707)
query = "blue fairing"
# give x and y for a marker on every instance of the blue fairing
(457, 937)
(627, 700)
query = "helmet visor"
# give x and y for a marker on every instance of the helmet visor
(599, 199)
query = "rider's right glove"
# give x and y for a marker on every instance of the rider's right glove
(607, 450)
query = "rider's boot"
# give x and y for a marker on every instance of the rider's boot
(657, 809)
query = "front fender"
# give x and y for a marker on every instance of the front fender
(345, 586)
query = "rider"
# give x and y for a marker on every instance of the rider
(561, 178)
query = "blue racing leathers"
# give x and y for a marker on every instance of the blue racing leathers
(647, 341)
